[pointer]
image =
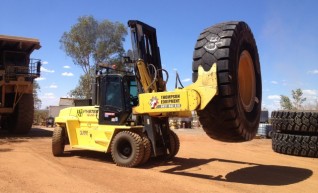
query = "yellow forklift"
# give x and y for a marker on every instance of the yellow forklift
(130, 114)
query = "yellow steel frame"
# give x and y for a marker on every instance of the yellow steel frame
(145, 77)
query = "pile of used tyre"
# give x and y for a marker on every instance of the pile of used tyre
(295, 132)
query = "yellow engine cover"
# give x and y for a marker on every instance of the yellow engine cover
(83, 130)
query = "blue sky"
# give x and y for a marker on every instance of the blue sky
(285, 32)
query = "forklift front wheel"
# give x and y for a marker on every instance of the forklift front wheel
(147, 149)
(174, 144)
(127, 149)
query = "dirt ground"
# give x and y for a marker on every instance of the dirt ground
(202, 165)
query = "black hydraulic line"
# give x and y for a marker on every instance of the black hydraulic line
(178, 80)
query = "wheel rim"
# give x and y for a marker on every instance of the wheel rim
(124, 149)
(246, 80)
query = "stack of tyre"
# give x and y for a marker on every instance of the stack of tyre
(295, 132)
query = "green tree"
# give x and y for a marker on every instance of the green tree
(89, 43)
(83, 90)
(285, 103)
(37, 100)
(297, 102)
(298, 98)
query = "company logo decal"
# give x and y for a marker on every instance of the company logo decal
(153, 102)
(80, 112)
(89, 113)
(166, 101)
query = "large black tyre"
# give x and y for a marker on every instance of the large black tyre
(295, 122)
(127, 149)
(147, 149)
(174, 144)
(299, 145)
(234, 113)
(58, 141)
(20, 122)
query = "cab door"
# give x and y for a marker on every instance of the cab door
(113, 101)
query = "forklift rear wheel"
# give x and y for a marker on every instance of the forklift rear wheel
(127, 149)
(233, 114)
(58, 141)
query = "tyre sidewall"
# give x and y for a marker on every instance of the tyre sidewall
(246, 42)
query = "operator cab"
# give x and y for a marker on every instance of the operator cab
(119, 93)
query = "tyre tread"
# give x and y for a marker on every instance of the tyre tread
(58, 141)
(174, 144)
(295, 122)
(298, 145)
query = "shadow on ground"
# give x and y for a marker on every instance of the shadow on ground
(5, 149)
(35, 132)
(253, 173)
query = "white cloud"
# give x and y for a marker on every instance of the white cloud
(310, 95)
(186, 80)
(313, 72)
(40, 78)
(44, 62)
(310, 92)
(175, 69)
(67, 67)
(67, 74)
(46, 70)
(48, 95)
(53, 86)
(275, 105)
(49, 99)
(274, 82)
(273, 97)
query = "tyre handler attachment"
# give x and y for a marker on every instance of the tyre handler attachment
(180, 102)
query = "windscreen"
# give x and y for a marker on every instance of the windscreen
(113, 94)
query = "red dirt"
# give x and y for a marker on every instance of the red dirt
(202, 165)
